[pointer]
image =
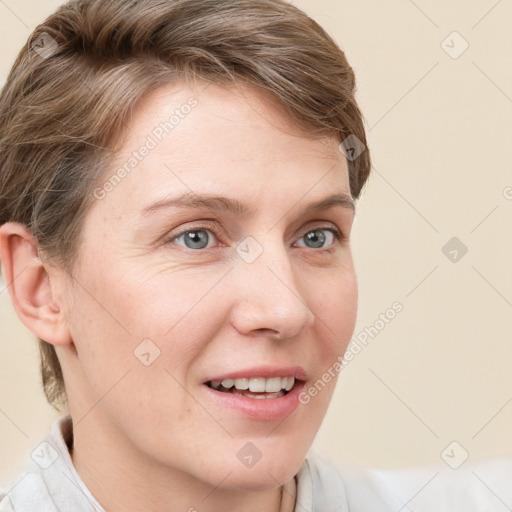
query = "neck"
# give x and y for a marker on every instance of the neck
(122, 478)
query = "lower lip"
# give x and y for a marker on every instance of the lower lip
(262, 409)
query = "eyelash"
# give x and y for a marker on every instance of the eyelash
(338, 235)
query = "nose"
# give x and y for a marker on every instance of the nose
(270, 299)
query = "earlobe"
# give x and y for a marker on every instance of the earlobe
(30, 285)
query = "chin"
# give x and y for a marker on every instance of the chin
(267, 473)
(256, 480)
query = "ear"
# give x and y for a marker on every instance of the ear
(30, 285)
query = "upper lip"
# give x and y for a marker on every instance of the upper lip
(263, 371)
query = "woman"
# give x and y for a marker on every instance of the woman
(178, 184)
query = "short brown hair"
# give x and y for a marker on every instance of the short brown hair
(63, 108)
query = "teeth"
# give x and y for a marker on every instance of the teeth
(290, 383)
(260, 396)
(242, 384)
(257, 384)
(228, 383)
(273, 385)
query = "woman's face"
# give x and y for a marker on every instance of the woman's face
(169, 298)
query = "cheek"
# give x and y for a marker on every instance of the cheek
(155, 326)
(161, 300)
(336, 309)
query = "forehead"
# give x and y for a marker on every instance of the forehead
(244, 115)
(211, 139)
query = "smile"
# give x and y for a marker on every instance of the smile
(254, 387)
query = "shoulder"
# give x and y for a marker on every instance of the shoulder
(473, 487)
(50, 482)
(26, 494)
(481, 486)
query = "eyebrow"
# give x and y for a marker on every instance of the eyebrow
(236, 207)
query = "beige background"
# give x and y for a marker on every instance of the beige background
(440, 134)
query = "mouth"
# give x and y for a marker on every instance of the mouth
(259, 394)
(256, 387)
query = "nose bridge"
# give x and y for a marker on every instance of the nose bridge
(269, 295)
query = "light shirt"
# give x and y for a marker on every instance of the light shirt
(51, 484)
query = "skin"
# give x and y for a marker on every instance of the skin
(148, 437)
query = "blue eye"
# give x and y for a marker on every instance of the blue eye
(195, 238)
(200, 237)
(317, 237)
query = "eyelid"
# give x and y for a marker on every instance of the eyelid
(195, 227)
(328, 226)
